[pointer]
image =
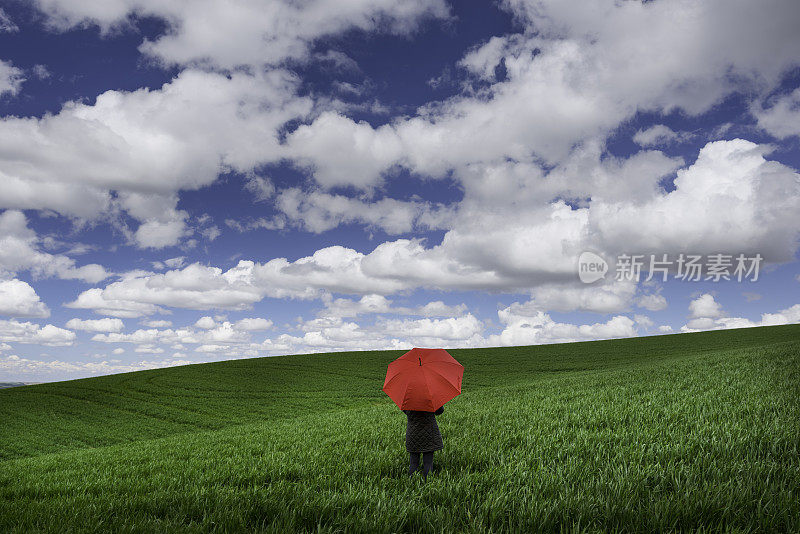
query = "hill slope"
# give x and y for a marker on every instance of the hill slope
(684, 431)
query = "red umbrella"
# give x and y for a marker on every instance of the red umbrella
(423, 379)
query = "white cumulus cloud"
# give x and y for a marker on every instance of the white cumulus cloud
(106, 324)
(25, 332)
(20, 251)
(19, 299)
(11, 77)
(782, 118)
(265, 33)
(707, 314)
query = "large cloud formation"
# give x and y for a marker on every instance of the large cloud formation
(20, 250)
(577, 72)
(266, 33)
(19, 299)
(580, 68)
(731, 200)
(147, 145)
(524, 142)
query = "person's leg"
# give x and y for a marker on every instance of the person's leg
(413, 463)
(427, 463)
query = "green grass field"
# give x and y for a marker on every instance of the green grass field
(695, 432)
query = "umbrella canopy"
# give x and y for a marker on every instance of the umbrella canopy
(423, 379)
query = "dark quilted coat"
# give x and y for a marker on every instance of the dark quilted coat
(422, 432)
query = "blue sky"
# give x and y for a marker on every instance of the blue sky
(231, 179)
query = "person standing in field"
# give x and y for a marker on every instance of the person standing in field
(422, 437)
